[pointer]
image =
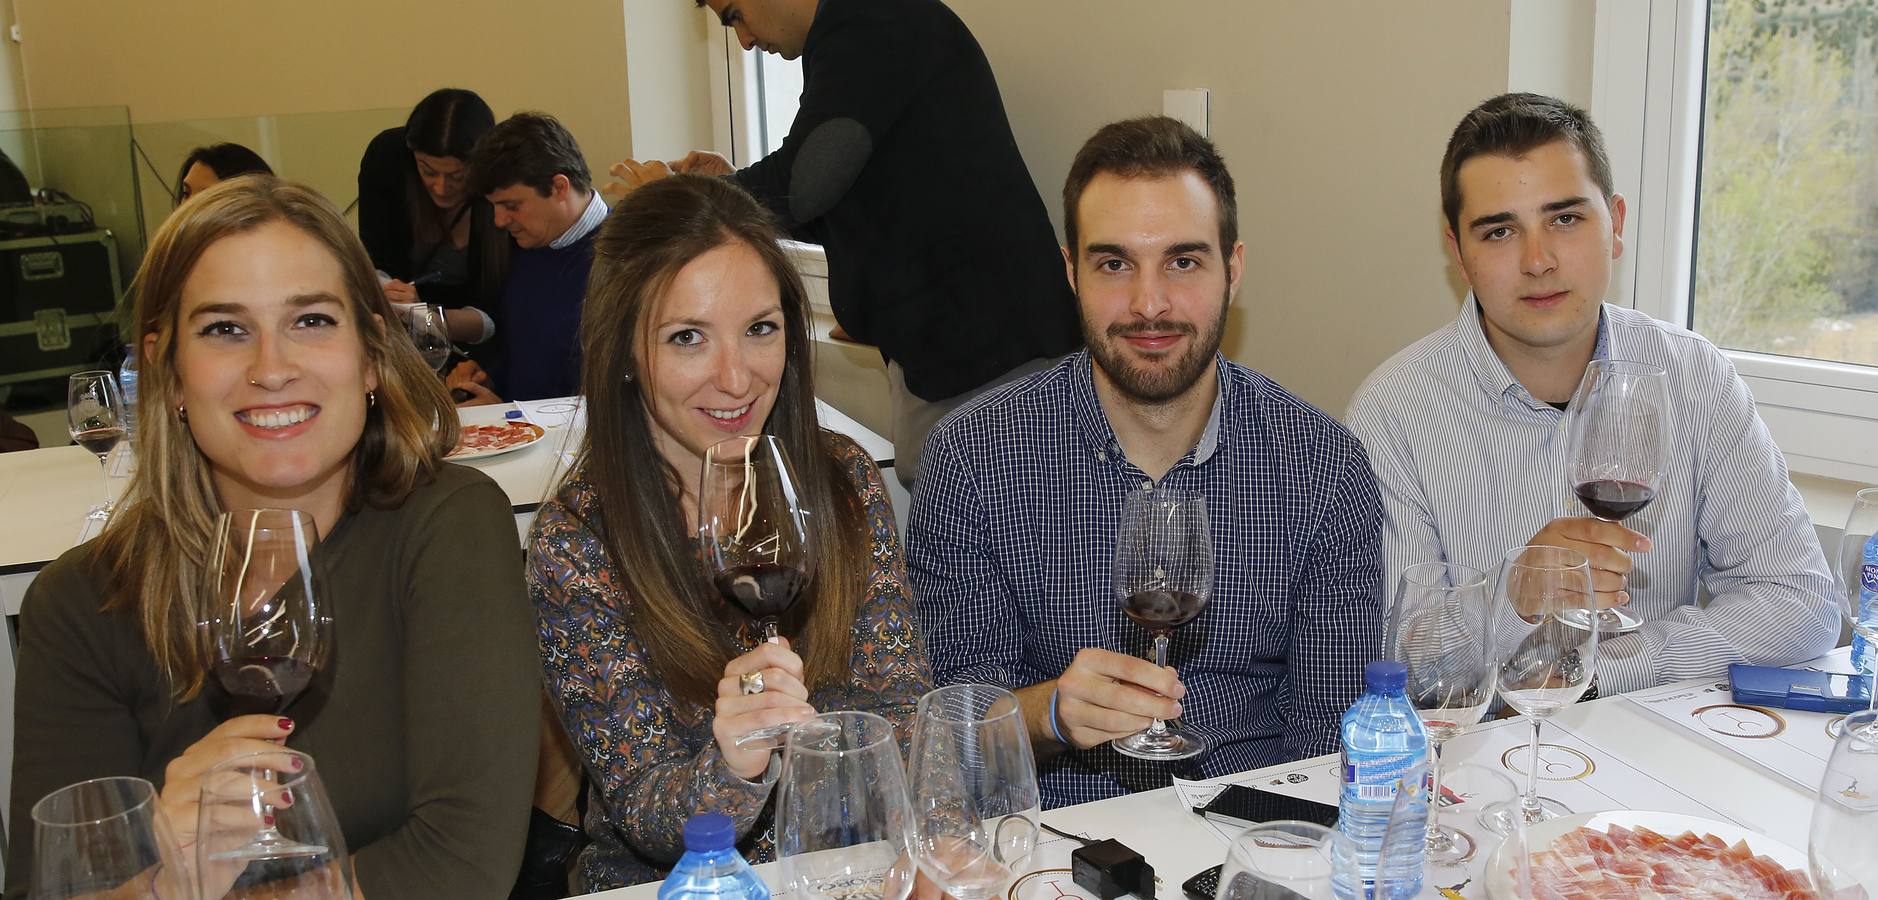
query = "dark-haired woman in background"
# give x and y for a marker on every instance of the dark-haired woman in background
(419, 222)
(699, 333)
(216, 163)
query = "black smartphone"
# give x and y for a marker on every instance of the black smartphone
(1205, 886)
(1247, 806)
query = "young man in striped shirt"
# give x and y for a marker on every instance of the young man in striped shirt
(1465, 428)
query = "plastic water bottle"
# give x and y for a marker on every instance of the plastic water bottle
(711, 866)
(1383, 741)
(1864, 654)
(127, 386)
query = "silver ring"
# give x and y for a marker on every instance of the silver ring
(751, 682)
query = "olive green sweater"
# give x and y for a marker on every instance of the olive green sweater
(423, 725)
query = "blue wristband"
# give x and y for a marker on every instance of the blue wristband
(1054, 730)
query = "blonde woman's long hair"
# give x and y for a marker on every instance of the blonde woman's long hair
(154, 554)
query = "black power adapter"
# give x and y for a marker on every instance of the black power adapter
(1109, 869)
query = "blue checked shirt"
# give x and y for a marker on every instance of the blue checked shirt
(1013, 530)
(1472, 465)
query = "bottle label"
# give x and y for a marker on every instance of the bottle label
(1868, 577)
(1375, 779)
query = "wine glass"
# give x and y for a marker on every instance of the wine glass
(105, 837)
(1440, 628)
(1845, 817)
(431, 333)
(1858, 586)
(1619, 436)
(1163, 577)
(242, 795)
(975, 798)
(268, 631)
(1288, 859)
(94, 414)
(753, 530)
(1552, 662)
(843, 822)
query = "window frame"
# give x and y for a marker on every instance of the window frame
(739, 127)
(1823, 414)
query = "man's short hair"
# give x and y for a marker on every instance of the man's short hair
(1151, 147)
(527, 148)
(1514, 125)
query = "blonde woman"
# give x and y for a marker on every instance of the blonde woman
(270, 380)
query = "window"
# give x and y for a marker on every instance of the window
(1743, 132)
(754, 97)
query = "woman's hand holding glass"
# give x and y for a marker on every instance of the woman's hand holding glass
(779, 698)
(182, 778)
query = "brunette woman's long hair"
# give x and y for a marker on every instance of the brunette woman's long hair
(647, 239)
(154, 554)
(448, 122)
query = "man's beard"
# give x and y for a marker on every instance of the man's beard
(1161, 383)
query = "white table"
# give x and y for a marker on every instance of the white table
(45, 494)
(1177, 843)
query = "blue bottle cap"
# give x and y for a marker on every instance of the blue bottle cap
(706, 832)
(1385, 676)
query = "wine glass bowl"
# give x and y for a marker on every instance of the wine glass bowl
(94, 415)
(105, 838)
(1163, 573)
(843, 821)
(1440, 629)
(1845, 815)
(1287, 859)
(1618, 438)
(975, 798)
(430, 333)
(753, 528)
(1550, 663)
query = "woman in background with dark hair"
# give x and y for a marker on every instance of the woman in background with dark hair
(419, 222)
(213, 164)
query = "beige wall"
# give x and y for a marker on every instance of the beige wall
(1332, 114)
(666, 43)
(213, 59)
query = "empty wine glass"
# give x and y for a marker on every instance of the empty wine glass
(1845, 817)
(430, 331)
(1618, 438)
(843, 822)
(105, 837)
(1440, 628)
(277, 791)
(753, 531)
(975, 798)
(1550, 664)
(94, 415)
(1163, 577)
(1287, 859)
(1858, 586)
(268, 631)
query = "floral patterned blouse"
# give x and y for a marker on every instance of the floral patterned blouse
(649, 756)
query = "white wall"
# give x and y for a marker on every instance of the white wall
(1332, 116)
(667, 69)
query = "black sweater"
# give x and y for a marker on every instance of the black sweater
(902, 164)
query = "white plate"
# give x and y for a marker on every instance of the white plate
(1541, 836)
(464, 456)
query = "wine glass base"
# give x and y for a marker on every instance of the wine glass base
(1449, 846)
(1614, 620)
(1501, 819)
(271, 847)
(1164, 745)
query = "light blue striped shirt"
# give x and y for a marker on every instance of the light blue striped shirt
(1471, 465)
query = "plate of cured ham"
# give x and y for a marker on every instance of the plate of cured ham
(1628, 854)
(478, 441)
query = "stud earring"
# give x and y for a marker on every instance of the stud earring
(182, 415)
(371, 399)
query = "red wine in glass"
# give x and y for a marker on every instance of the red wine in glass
(1163, 609)
(1613, 500)
(765, 590)
(259, 684)
(99, 440)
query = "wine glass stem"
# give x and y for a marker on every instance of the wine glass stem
(1434, 798)
(770, 634)
(1529, 804)
(1160, 662)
